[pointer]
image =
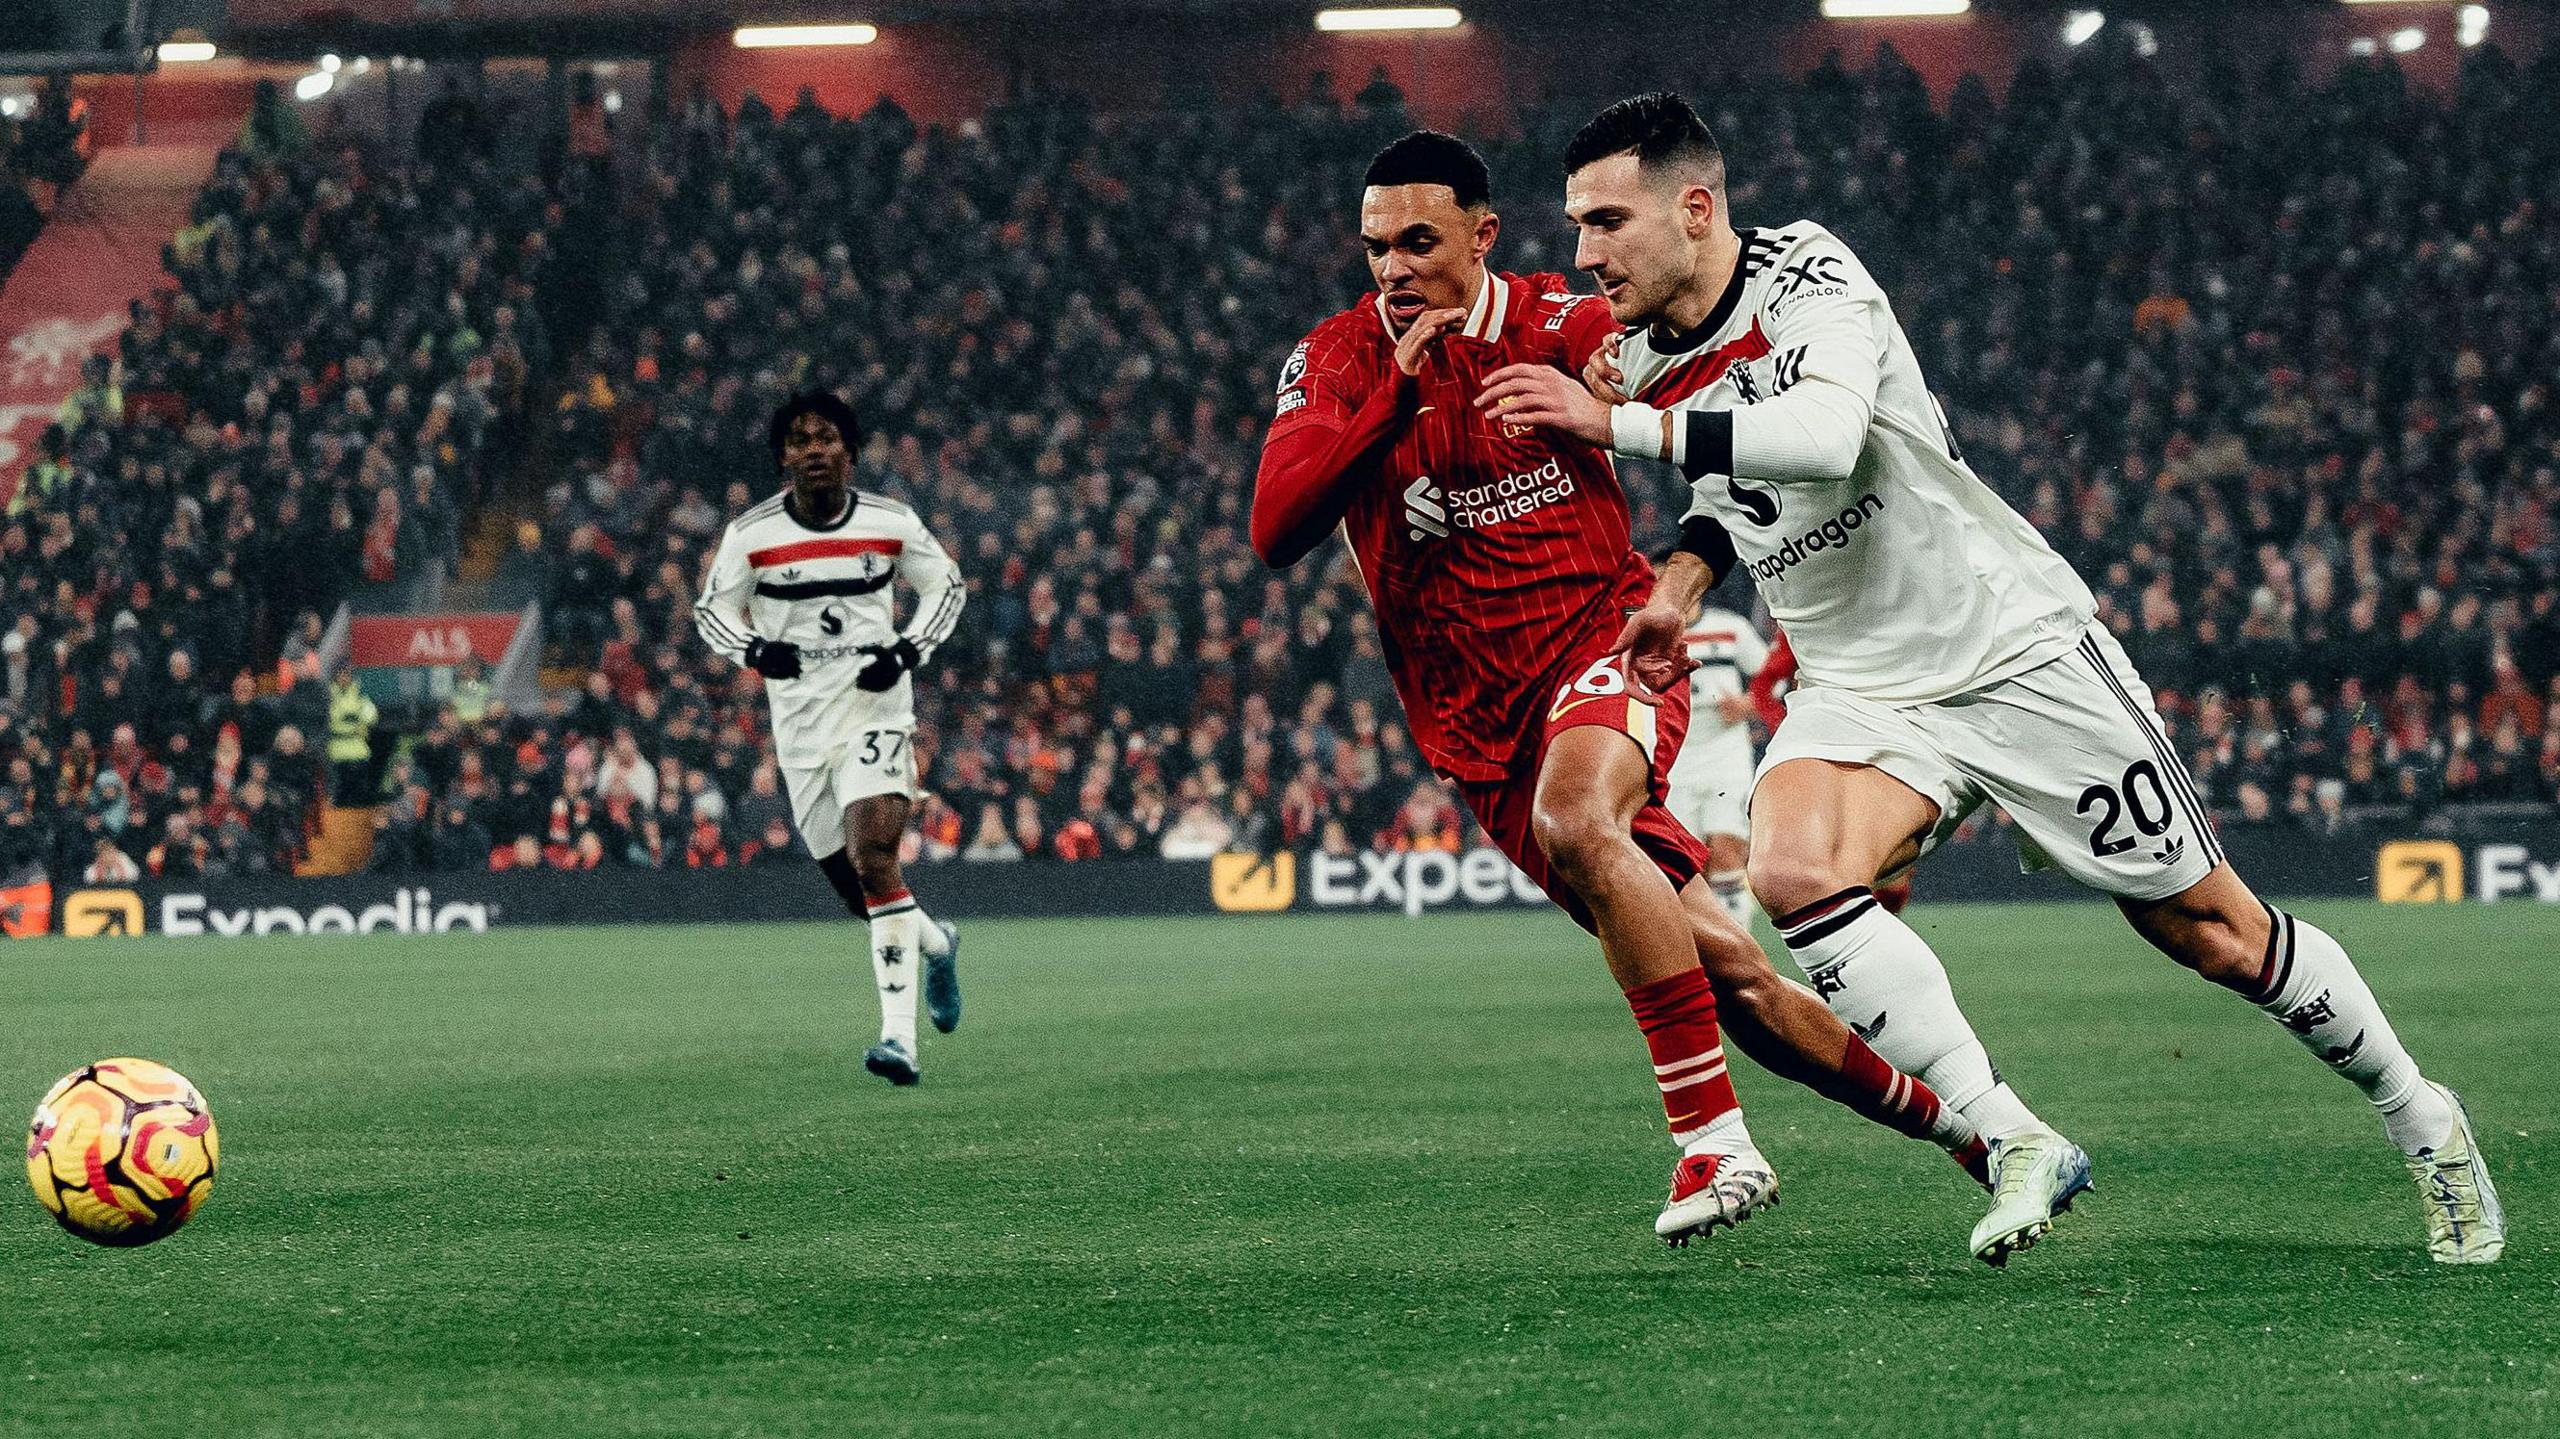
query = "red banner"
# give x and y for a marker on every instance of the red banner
(66, 300)
(428, 641)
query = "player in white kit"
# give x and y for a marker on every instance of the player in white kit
(802, 591)
(1711, 777)
(1949, 658)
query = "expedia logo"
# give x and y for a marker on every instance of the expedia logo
(2509, 871)
(1253, 883)
(1833, 534)
(102, 911)
(411, 911)
(1420, 880)
(2418, 871)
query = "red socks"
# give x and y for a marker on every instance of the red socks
(1887, 1095)
(1678, 1017)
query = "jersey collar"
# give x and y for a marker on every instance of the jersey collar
(1667, 341)
(1484, 318)
(852, 502)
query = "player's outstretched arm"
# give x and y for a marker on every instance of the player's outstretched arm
(1657, 659)
(1324, 438)
(1829, 335)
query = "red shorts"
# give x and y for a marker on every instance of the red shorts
(1597, 695)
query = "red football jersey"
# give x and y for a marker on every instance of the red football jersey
(1492, 552)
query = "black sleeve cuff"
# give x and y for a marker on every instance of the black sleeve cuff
(1710, 447)
(1707, 540)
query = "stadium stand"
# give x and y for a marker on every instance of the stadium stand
(2213, 340)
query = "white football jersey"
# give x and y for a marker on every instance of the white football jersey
(1897, 573)
(1729, 652)
(828, 589)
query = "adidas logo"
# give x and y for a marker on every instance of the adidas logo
(2168, 853)
(1423, 512)
(1868, 1032)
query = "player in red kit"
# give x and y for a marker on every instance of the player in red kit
(1499, 562)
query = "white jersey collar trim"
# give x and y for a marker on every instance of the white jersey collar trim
(1484, 318)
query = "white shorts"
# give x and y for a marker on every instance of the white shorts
(874, 760)
(2071, 749)
(1715, 802)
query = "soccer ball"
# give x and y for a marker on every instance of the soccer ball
(122, 1151)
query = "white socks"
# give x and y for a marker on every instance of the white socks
(2312, 988)
(1887, 985)
(1723, 1134)
(897, 964)
(1733, 893)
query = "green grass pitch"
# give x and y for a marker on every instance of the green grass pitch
(1354, 1175)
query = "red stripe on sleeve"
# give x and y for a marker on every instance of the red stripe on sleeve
(792, 554)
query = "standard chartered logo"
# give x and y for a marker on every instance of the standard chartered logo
(1423, 514)
(1428, 510)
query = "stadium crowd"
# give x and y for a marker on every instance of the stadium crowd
(40, 152)
(2268, 360)
(301, 423)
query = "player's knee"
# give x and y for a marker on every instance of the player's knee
(2215, 948)
(1785, 880)
(1576, 838)
(2205, 938)
(878, 868)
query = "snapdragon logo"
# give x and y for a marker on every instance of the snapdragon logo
(1832, 535)
(1421, 880)
(411, 911)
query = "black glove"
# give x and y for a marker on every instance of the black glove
(887, 663)
(774, 659)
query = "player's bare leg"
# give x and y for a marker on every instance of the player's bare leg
(1788, 1030)
(1590, 785)
(901, 934)
(2304, 980)
(1822, 833)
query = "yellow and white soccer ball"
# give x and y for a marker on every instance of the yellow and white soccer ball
(122, 1151)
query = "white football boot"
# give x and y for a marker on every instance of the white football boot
(2465, 1224)
(1715, 1191)
(2034, 1176)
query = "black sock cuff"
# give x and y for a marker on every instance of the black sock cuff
(1825, 917)
(2276, 970)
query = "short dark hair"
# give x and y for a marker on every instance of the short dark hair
(823, 404)
(1429, 157)
(1659, 128)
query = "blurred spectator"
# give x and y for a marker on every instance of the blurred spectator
(352, 716)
